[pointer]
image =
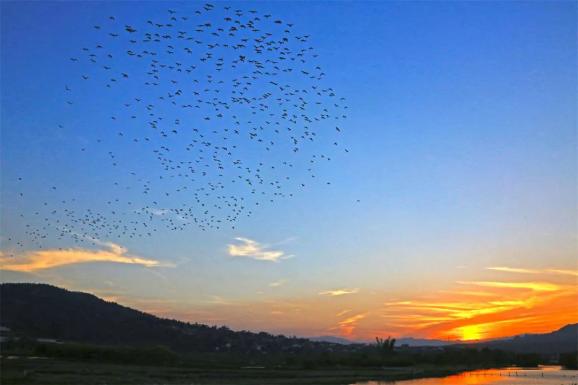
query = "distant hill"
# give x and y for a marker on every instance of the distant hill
(562, 340)
(409, 341)
(420, 342)
(333, 340)
(44, 311)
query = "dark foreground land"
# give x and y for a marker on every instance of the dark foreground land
(47, 371)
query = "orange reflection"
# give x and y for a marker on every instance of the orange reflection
(510, 376)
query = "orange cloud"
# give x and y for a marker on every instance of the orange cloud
(535, 286)
(343, 312)
(348, 325)
(47, 259)
(534, 271)
(512, 269)
(563, 272)
(497, 309)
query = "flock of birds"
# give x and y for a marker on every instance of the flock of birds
(230, 107)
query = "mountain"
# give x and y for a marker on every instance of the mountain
(45, 311)
(333, 340)
(409, 341)
(420, 342)
(562, 340)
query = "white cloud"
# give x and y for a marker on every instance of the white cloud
(278, 283)
(252, 249)
(217, 300)
(339, 292)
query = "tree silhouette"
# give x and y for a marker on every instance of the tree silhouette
(385, 346)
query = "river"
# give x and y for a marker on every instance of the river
(544, 375)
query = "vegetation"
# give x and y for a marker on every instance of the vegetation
(75, 364)
(61, 372)
(569, 360)
(366, 357)
(385, 347)
(157, 355)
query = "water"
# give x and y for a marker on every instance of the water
(545, 375)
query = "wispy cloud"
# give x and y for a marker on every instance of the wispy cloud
(343, 312)
(165, 212)
(451, 309)
(534, 271)
(347, 326)
(46, 259)
(249, 248)
(535, 286)
(158, 212)
(512, 269)
(217, 300)
(339, 292)
(278, 283)
(563, 272)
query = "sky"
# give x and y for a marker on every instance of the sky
(452, 216)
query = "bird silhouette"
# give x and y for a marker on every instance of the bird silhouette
(230, 108)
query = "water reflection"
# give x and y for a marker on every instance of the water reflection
(546, 375)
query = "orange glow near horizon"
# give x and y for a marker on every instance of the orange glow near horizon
(506, 304)
(494, 309)
(479, 310)
(464, 311)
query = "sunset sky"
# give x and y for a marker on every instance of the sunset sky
(453, 216)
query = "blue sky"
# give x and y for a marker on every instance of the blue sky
(462, 138)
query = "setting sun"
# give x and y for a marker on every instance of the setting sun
(470, 333)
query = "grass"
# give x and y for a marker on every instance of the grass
(45, 371)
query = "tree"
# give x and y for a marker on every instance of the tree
(385, 346)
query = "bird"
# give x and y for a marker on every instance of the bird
(227, 113)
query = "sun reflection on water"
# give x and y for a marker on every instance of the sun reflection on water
(547, 375)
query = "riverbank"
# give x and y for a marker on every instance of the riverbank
(46, 371)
